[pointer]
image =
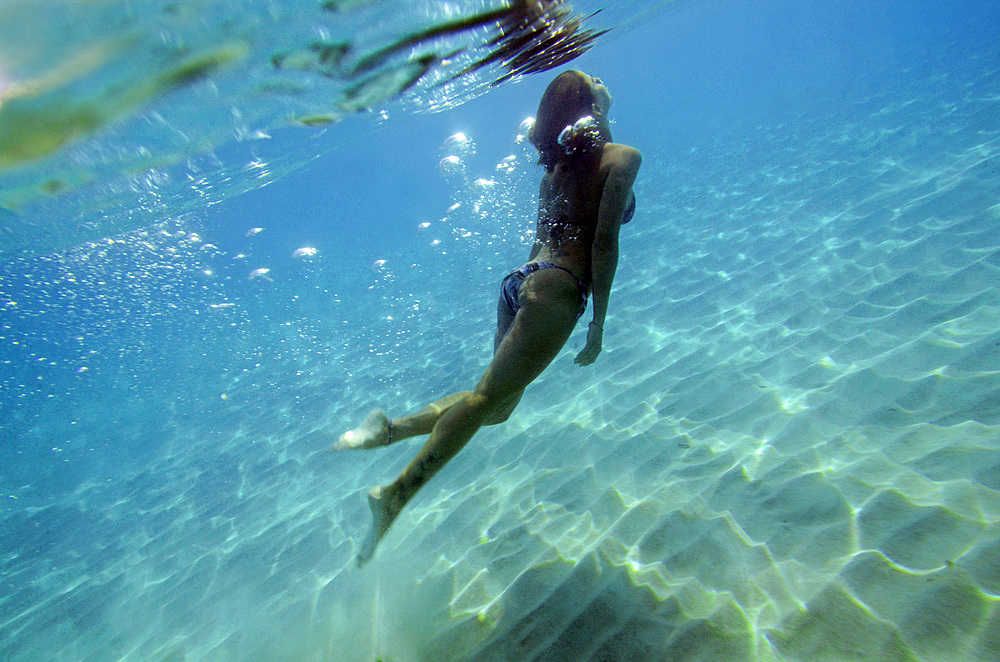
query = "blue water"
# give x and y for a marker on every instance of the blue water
(787, 451)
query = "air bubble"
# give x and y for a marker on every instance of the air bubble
(451, 166)
(459, 145)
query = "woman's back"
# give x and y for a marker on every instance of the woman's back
(569, 202)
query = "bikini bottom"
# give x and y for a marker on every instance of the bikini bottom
(508, 305)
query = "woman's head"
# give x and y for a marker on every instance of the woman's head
(571, 96)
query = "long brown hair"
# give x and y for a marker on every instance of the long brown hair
(567, 98)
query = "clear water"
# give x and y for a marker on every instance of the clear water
(788, 450)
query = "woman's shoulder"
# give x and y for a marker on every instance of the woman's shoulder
(618, 156)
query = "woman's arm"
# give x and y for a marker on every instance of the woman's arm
(622, 171)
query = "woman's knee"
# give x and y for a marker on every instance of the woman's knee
(501, 413)
(491, 409)
(478, 403)
(499, 416)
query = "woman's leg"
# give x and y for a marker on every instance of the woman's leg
(375, 430)
(549, 303)
(423, 421)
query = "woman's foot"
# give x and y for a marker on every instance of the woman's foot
(374, 432)
(384, 510)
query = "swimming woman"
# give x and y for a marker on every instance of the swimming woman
(585, 196)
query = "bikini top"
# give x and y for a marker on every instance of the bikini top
(629, 211)
(556, 227)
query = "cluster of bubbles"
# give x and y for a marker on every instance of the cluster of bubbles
(305, 253)
(456, 150)
(105, 308)
(121, 305)
(581, 134)
(488, 226)
(490, 214)
(490, 211)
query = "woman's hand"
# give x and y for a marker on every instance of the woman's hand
(595, 339)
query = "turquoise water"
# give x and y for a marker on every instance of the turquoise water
(787, 451)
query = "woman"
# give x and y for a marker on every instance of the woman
(585, 196)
